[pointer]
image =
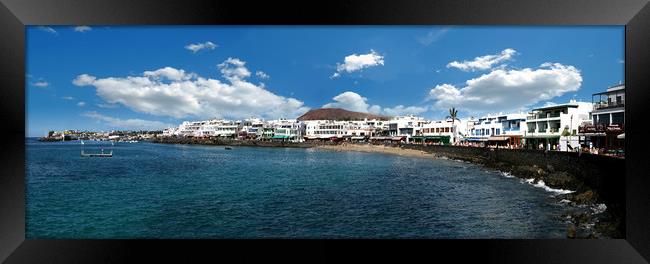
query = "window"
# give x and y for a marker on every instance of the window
(603, 119)
(618, 118)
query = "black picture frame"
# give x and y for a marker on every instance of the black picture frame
(16, 14)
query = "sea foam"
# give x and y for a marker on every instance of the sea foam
(540, 184)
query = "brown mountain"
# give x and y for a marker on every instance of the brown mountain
(338, 114)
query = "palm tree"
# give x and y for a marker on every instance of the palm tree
(453, 114)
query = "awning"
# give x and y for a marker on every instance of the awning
(397, 138)
(621, 136)
(280, 137)
(498, 138)
(476, 139)
(357, 137)
(592, 134)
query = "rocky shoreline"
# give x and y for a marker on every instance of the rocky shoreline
(587, 217)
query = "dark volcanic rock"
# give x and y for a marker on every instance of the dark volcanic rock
(338, 114)
(561, 179)
(587, 197)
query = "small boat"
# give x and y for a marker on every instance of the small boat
(228, 148)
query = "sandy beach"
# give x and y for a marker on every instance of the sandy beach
(378, 149)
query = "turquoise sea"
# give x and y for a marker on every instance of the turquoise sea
(179, 191)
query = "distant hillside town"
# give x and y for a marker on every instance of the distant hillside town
(116, 135)
(597, 127)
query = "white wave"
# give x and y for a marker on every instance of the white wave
(540, 184)
(565, 201)
(597, 209)
(507, 175)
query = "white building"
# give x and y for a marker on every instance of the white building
(607, 127)
(320, 129)
(405, 126)
(286, 129)
(545, 125)
(444, 131)
(250, 128)
(218, 128)
(501, 129)
(609, 106)
(189, 128)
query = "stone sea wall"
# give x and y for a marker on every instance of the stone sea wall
(594, 178)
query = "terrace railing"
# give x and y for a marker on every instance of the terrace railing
(605, 105)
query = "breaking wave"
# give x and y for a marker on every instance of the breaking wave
(541, 184)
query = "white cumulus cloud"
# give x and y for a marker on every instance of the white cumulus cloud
(350, 101)
(432, 36)
(356, 62)
(41, 84)
(354, 102)
(200, 46)
(127, 124)
(48, 30)
(83, 80)
(510, 90)
(82, 29)
(81, 104)
(483, 62)
(179, 94)
(262, 75)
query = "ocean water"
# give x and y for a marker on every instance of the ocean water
(179, 191)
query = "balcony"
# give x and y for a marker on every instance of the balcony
(606, 105)
(543, 116)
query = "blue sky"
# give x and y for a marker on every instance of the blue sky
(105, 78)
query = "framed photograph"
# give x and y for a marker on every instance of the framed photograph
(510, 129)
